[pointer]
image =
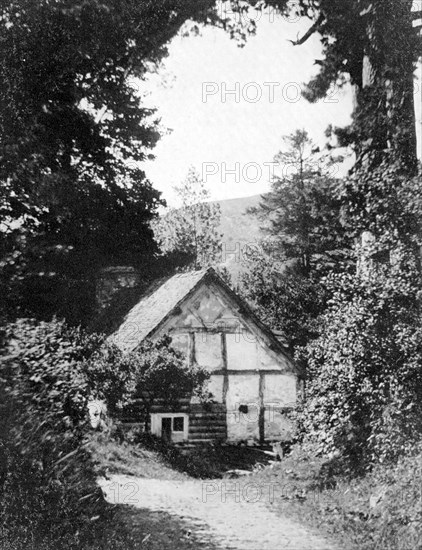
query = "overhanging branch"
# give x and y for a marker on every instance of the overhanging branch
(315, 28)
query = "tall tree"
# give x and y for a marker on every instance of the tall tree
(72, 132)
(375, 44)
(69, 113)
(192, 229)
(301, 214)
(285, 301)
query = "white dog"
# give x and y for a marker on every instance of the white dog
(278, 450)
(97, 411)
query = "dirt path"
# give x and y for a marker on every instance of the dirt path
(224, 514)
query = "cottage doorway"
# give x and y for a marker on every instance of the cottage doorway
(166, 428)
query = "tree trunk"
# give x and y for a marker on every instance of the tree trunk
(388, 68)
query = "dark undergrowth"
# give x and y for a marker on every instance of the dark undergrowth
(207, 461)
(145, 455)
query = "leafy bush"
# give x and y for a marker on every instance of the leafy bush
(365, 370)
(160, 373)
(47, 476)
(48, 490)
(364, 396)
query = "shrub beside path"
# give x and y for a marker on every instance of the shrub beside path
(221, 514)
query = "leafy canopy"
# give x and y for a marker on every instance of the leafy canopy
(73, 130)
(365, 369)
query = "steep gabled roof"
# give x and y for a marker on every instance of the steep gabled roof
(155, 306)
(160, 302)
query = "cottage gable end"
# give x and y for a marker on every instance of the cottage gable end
(207, 314)
(253, 380)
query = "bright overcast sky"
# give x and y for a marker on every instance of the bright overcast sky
(218, 132)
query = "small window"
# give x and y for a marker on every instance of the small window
(178, 424)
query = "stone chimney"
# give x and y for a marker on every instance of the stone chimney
(112, 279)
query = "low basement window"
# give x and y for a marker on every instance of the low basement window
(178, 424)
(170, 426)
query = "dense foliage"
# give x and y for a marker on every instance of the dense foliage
(48, 372)
(365, 389)
(284, 300)
(70, 121)
(47, 480)
(305, 240)
(301, 214)
(161, 374)
(365, 370)
(73, 131)
(379, 510)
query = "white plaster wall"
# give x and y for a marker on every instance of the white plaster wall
(215, 386)
(242, 353)
(181, 342)
(243, 390)
(280, 389)
(208, 350)
(208, 306)
(207, 309)
(270, 360)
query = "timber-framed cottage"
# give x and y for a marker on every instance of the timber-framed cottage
(254, 382)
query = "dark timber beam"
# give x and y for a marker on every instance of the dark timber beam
(261, 407)
(224, 371)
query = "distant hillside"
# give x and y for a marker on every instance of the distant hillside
(239, 229)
